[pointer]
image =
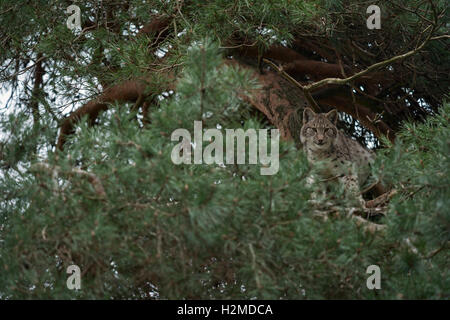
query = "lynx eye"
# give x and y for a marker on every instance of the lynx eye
(310, 131)
(329, 132)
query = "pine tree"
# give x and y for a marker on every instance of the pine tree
(86, 151)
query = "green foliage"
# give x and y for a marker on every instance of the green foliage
(418, 166)
(202, 231)
(209, 231)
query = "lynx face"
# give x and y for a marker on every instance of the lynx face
(319, 130)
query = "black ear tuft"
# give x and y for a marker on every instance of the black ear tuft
(332, 116)
(308, 114)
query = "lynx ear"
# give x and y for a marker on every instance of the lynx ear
(332, 116)
(308, 114)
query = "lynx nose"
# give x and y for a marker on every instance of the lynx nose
(320, 140)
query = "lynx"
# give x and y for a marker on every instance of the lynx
(344, 159)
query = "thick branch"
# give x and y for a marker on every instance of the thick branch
(157, 25)
(128, 91)
(375, 66)
(277, 99)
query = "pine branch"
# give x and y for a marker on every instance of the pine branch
(56, 170)
(339, 81)
(375, 66)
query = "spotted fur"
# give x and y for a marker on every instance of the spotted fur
(344, 157)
